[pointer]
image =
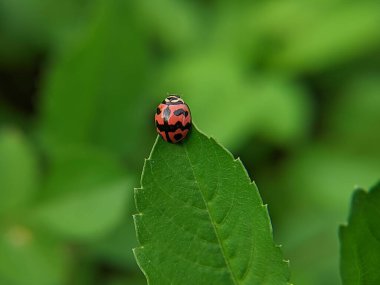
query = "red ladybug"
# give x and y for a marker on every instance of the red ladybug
(173, 119)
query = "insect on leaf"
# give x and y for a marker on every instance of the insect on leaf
(201, 220)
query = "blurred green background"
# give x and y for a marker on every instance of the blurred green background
(291, 86)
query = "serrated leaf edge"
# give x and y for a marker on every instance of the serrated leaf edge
(236, 160)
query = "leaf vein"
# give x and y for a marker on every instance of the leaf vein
(223, 251)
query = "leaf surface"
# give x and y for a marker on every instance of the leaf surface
(29, 257)
(89, 95)
(201, 220)
(88, 214)
(92, 202)
(360, 240)
(18, 171)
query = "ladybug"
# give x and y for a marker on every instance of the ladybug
(173, 119)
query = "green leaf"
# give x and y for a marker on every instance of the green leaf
(86, 193)
(358, 113)
(18, 171)
(360, 240)
(178, 36)
(28, 257)
(323, 35)
(86, 214)
(87, 169)
(92, 90)
(201, 220)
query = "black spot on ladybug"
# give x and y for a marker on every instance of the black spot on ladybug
(158, 111)
(180, 112)
(173, 128)
(167, 137)
(178, 137)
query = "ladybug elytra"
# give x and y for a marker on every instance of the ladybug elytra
(173, 119)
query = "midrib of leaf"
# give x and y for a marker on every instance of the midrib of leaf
(222, 249)
(210, 172)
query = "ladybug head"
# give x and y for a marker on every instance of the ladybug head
(173, 99)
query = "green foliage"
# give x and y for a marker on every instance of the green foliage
(18, 171)
(360, 240)
(89, 204)
(88, 80)
(316, 45)
(85, 214)
(41, 260)
(290, 86)
(199, 210)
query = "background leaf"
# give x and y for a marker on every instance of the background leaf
(360, 240)
(92, 74)
(28, 257)
(18, 171)
(87, 214)
(199, 210)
